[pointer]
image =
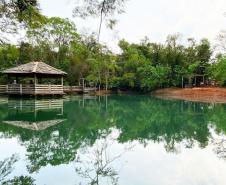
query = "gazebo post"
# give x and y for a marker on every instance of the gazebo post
(195, 81)
(62, 83)
(17, 81)
(35, 82)
(182, 83)
(35, 79)
(62, 80)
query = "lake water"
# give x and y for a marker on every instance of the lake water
(109, 140)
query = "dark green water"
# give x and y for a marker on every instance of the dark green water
(125, 140)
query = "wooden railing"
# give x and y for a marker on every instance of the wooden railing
(42, 89)
(70, 89)
(14, 89)
(49, 89)
(3, 89)
(28, 89)
(38, 89)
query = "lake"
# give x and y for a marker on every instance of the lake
(125, 140)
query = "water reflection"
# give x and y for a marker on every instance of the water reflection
(76, 129)
(96, 164)
(34, 114)
(6, 166)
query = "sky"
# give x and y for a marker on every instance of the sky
(152, 18)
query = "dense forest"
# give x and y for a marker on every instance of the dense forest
(142, 66)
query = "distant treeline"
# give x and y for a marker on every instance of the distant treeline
(143, 67)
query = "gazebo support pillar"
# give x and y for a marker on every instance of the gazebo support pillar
(35, 82)
(62, 81)
(182, 83)
(35, 79)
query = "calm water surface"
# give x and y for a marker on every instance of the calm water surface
(125, 140)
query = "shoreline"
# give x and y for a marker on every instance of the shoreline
(197, 94)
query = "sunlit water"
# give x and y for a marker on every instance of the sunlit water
(125, 140)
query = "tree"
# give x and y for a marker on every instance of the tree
(173, 57)
(153, 77)
(102, 66)
(221, 42)
(103, 9)
(15, 13)
(56, 31)
(133, 56)
(218, 70)
(9, 55)
(203, 55)
(54, 36)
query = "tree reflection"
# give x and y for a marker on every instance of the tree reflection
(136, 118)
(96, 164)
(7, 166)
(220, 147)
(22, 180)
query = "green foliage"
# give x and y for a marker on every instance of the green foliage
(22, 180)
(218, 70)
(143, 66)
(18, 14)
(147, 65)
(9, 55)
(152, 77)
(55, 31)
(140, 119)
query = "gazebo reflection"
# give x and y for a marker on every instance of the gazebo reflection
(34, 114)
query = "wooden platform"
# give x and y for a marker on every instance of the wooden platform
(79, 89)
(41, 89)
(31, 89)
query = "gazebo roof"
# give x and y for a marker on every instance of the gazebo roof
(42, 125)
(34, 68)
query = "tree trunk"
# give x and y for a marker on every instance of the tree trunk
(190, 81)
(101, 21)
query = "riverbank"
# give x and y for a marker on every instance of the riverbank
(205, 94)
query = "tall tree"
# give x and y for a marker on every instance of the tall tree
(103, 9)
(57, 34)
(204, 53)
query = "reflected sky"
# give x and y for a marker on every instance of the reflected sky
(112, 140)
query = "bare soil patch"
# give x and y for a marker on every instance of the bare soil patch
(202, 94)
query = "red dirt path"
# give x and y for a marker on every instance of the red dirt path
(205, 94)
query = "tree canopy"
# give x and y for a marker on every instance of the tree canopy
(142, 66)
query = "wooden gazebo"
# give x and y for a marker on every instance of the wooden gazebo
(36, 71)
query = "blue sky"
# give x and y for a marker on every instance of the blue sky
(152, 18)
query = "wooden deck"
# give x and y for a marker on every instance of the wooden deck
(31, 89)
(40, 89)
(79, 89)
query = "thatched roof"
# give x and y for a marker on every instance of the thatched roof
(34, 68)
